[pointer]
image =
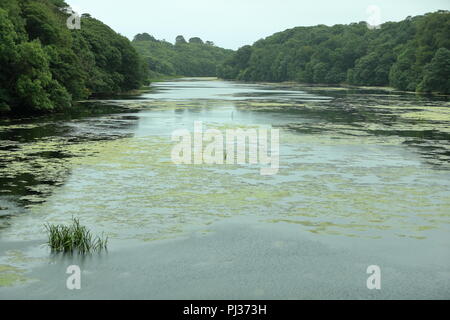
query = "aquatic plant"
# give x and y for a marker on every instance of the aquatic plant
(75, 237)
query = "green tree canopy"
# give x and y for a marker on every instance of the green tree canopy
(196, 40)
(45, 66)
(144, 37)
(194, 59)
(398, 54)
(437, 73)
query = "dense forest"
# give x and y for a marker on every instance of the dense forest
(188, 58)
(411, 55)
(45, 66)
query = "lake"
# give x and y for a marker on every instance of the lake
(364, 179)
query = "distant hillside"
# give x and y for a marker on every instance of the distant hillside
(412, 55)
(194, 58)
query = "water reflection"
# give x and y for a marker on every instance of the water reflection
(35, 154)
(357, 163)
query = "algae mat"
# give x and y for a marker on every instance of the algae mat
(356, 165)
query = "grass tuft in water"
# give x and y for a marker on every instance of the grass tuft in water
(75, 237)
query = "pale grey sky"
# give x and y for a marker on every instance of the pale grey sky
(234, 23)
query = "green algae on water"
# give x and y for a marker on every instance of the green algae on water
(11, 276)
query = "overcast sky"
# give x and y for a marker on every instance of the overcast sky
(234, 23)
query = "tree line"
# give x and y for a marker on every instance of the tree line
(193, 58)
(411, 55)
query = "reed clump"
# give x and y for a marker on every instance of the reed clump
(74, 238)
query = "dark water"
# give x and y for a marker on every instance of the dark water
(356, 165)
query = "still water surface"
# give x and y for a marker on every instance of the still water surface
(358, 168)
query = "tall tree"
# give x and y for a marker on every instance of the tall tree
(180, 40)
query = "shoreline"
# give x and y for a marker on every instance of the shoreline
(149, 88)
